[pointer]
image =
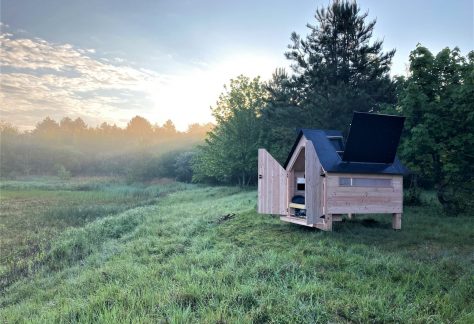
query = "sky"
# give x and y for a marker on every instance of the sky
(105, 60)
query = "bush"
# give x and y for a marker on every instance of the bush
(456, 198)
(183, 166)
(174, 165)
(62, 173)
(412, 196)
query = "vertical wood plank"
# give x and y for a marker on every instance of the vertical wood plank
(397, 221)
(328, 222)
(313, 185)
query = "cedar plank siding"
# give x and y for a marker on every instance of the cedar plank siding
(345, 200)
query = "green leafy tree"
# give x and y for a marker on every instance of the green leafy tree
(230, 152)
(438, 100)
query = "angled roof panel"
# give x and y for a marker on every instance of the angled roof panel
(373, 138)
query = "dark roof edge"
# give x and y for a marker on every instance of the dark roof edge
(366, 172)
(369, 113)
(300, 133)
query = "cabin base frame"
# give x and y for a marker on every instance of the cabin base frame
(326, 225)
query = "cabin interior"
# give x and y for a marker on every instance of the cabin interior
(296, 186)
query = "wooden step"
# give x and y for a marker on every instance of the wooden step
(302, 221)
(295, 220)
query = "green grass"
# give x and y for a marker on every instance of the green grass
(181, 259)
(34, 211)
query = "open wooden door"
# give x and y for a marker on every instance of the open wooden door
(272, 185)
(314, 186)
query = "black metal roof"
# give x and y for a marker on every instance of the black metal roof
(331, 161)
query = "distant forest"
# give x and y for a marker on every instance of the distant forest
(336, 69)
(140, 151)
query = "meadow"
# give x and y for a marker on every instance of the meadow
(101, 250)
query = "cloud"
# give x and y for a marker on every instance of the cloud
(40, 79)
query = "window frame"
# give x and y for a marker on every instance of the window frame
(370, 182)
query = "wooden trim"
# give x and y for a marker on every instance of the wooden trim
(301, 145)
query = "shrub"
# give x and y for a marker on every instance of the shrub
(183, 166)
(412, 196)
(62, 173)
(456, 198)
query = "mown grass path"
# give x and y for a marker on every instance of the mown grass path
(188, 258)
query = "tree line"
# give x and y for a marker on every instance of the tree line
(339, 68)
(139, 151)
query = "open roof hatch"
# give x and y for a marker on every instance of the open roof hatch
(373, 138)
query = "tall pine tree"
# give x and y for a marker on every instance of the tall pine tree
(338, 68)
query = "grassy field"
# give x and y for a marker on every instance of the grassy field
(98, 250)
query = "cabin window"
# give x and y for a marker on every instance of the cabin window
(365, 182)
(300, 184)
(345, 182)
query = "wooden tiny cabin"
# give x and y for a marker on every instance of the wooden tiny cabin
(323, 177)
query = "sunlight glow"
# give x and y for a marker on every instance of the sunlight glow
(187, 97)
